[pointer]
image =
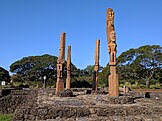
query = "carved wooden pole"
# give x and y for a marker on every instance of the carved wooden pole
(68, 68)
(60, 65)
(96, 66)
(111, 37)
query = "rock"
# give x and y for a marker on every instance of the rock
(87, 91)
(65, 93)
(79, 108)
(82, 111)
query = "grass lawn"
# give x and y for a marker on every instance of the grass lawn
(6, 117)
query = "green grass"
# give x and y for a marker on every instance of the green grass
(6, 117)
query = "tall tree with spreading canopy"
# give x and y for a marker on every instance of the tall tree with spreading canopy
(4, 75)
(141, 63)
(33, 68)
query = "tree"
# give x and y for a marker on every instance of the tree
(84, 77)
(88, 71)
(4, 75)
(142, 63)
(33, 68)
(103, 76)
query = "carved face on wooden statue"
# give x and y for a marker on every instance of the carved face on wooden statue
(113, 36)
(110, 17)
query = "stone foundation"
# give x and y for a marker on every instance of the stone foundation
(65, 93)
(9, 103)
(151, 95)
(42, 105)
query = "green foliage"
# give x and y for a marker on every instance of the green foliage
(20, 84)
(16, 78)
(134, 86)
(6, 117)
(85, 75)
(32, 65)
(127, 84)
(81, 84)
(142, 65)
(89, 70)
(103, 77)
(156, 86)
(32, 69)
(16, 84)
(4, 75)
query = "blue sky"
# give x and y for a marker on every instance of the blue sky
(33, 27)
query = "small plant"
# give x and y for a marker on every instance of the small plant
(6, 117)
(135, 86)
(16, 84)
(127, 84)
(156, 86)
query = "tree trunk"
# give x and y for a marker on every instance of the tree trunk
(148, 84)
(148, 80)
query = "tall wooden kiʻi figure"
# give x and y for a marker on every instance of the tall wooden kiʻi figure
(60, 65)
(68, 68)
(111, 37)
(96, 66)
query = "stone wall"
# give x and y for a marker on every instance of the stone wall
(7, 91)
(64, 109)
(9, 103)
(26, 107)
(156, 95)
(47, 112)
(95, 113)
(152, 95)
